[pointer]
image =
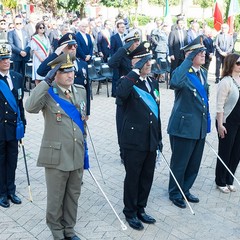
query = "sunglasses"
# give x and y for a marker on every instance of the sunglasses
(238, 63)
(72, 45)
(18, 23)
(42, 28)
(3, 23)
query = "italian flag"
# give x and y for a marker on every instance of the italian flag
(234, 10)
(218, 16)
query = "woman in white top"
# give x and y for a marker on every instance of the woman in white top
(40, 46)
(228, 122)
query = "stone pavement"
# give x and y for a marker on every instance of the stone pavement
(216, 216)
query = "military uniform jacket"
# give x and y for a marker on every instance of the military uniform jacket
(141, 130)
(189, 114)
(62, 144)
(8, 118)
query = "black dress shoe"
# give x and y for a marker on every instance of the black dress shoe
(75, 237)
(4, 202)
(134, 223)
(14, 199)
(146, 218)
(191, 198)
(179, 202)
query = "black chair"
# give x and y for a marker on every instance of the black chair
(106, 71)
(28, 74)
(97, 62)
(164, 66)
(93, 76)
(161, 67)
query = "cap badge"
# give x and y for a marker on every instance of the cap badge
(147, 46)
(136, 34)
(70, 36)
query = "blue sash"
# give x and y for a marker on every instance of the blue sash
(12, 102)
(75, 115)
(202, 92)
(148, 100)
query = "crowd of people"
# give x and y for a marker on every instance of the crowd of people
(61, 53)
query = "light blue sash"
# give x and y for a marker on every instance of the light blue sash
(12, 102)
(202, 92)
(148, 100)
(75, 115)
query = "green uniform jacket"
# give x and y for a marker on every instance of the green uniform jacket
(62, 144)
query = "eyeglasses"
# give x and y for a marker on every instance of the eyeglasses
(72, 45)
(42, 28)
(238, 63)
(18, 23)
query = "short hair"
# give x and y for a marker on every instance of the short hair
(119, 22)
(229, 63)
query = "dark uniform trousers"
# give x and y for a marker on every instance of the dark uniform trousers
(184, 171)
(143, 163)
(59, 201)
(8, 165)
(229, 151)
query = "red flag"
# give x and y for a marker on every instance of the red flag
(218, 18)
(234, 9)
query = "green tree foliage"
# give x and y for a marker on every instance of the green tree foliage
(72, 5)
(11, 4)
(119, 3)
(163, 2)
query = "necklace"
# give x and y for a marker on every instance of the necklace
(235, 82)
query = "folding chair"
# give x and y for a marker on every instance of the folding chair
(93, 75)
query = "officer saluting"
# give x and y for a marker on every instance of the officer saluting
(62, 149)
(140, 135)
(12, 122)
(67, 44)
(189, 122)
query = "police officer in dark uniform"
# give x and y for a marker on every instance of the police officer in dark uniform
(68, 44)
(11, 114)
(122, 61)
(140, 135)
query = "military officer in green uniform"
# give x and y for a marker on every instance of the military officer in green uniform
(62, 149)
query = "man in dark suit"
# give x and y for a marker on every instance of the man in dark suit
(103, 40)
(62, 149)
(224, 46)
(11, 90)
(141, 135)
(176, 41)
(117, 42)
(67, 44)
(189, 121)
(19, 41)
(84, 42)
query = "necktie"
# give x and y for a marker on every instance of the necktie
(199, 76)
(67, 93)
(147, 85)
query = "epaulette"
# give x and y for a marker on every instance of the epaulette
(78, 86)
(203, 68)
